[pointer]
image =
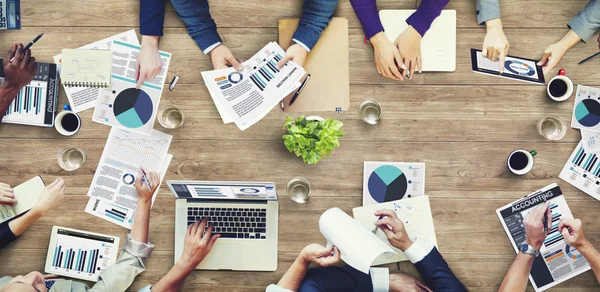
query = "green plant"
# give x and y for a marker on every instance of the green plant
(312, 139)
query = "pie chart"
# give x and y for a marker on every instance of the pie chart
(587, 112)
(519, 68)
(387, 183)
(133, 108)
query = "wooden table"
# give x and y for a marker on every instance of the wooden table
(462, 125)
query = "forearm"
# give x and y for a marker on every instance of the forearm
(292, 279)
(570, 39)
(141, 221)
(20, 224)
(487, 10)
(516, 277)
(7, 95)
(592, 256)
(173, 280)
(427, 12)
(366, 11)
(315, 18)
(152, 17)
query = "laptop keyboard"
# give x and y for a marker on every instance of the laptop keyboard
(246, 223)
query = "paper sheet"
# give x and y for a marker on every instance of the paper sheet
(247, 96)
(113, 194)
(582, 170)
(27, 195)
(123, 105)
(390, 181)
(415, 213)
(586, 114)
(359, 248)
(591, 140)
(82, 98)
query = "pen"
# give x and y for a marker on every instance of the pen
(145, 178)
(588, 58)
(376, 227)
(300, 89)
(29, 44)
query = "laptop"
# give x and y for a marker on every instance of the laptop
(438, 46)
(244, 213)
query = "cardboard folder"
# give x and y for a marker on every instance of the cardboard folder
(329, 86)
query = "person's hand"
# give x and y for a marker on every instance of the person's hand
(409, 46)
(21, 70)
(148, 63)
(7, 197)
(552, 56)
(320, 255)
(145, 193)
(33, 281)
(535, 233)
(222, 57)
(387, 57)
(295, 53)
(495, 43)
(197, 244)
(393, 228)
(572, 232)
(50, 197)
(405, 283)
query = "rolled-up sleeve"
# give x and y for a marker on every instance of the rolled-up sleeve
(6, 235)
(587, 22)
(120, 275)
(487, 10)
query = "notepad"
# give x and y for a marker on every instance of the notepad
(87, 68)
(26, 194)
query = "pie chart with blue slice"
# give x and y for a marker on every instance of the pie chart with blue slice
(587, 112)
(387, 183)
(133, 108)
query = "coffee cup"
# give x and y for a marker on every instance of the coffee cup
(67, 123)
(560, 88)
(520, 161)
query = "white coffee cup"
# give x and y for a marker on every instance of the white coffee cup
(59, 126)
(522, 162)
(567, 80)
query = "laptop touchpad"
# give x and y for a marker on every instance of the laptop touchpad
(224, 255)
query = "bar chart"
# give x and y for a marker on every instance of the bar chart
(263, 75)
(582, 170)
(553, 235)
(29, 104)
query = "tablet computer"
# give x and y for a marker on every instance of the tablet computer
(80, 254)
(514, 68)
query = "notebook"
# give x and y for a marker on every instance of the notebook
(87, 68)
(26, 194)
(438, 46)
(329, 86)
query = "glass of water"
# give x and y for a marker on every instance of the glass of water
(552, 128)
(170, 117)
(298, 189)
(71, 159)
(369, 111)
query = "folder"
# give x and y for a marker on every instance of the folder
(329, 86)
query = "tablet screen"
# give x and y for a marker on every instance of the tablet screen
(514, 67)
(80, 254)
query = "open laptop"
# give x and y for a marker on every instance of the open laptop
(438, 46)
(244, 213)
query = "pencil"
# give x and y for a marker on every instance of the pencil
(588, 58)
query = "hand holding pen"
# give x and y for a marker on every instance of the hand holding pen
(23, 49)
(394, 229)
(146, 184)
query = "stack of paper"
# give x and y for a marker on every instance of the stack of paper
(247, 96)
(113, 196)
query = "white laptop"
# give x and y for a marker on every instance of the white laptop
(438, 46)
(244, 213)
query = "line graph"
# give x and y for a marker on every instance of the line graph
(147, 151)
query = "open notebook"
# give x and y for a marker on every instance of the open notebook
(87, 68)
(26, 194)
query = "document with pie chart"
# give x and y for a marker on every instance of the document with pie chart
(586, 110)
(124, 106)
(391, 181)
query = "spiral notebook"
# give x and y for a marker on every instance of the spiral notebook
(88, 68)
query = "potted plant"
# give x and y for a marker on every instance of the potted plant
(312, 138)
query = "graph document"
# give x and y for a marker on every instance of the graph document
(557, 261)
(582, 170)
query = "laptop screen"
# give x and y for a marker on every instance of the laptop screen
(223, 190)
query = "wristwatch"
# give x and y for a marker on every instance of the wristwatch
(528, 249)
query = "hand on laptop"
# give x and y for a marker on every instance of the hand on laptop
(295, 53)
(197, 244)
(387, 57)
(320, 255)
(495, 43)
(50, 197)
(148, 63)
(393, 228)
(535, 232)
(221, 57)
(409, 46)
(572, 232)
(7, 197)
(142, 188)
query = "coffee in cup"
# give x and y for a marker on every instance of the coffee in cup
(520, 161)
(560, 88)
(67, 123)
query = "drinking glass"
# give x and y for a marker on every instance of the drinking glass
(369, 111)
(170, 117)
(71, 159)
(298, 189)
(552, 128)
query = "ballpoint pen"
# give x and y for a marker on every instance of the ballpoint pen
(145, 178)
(29, 44)
(376, 227)
(588, 58)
